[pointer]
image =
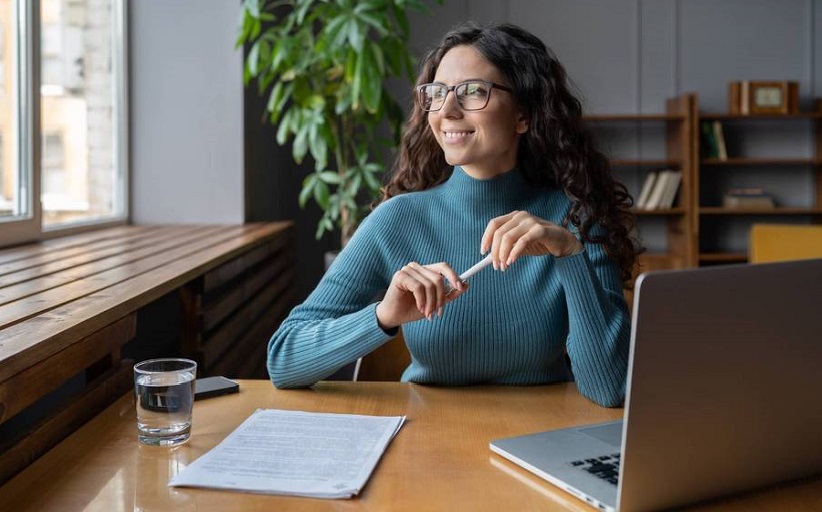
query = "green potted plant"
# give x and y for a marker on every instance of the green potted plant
(323, 65)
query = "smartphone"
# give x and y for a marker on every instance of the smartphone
(209, 387)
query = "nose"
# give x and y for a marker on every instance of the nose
(451, 107)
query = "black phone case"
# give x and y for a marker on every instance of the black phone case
(209, 387)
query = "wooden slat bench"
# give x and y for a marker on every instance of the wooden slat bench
(69, 308)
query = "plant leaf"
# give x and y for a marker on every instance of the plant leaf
(378, 23)
(321, 194)
(357, 81)
(322, 66)
(278, 54)
(299, 147)
(253, 7)
(402, 21)
(355, 33)
(394, 54)
(243, 29)
(333, 31)
(371, 79)
(343, 102)
(372, 181)
(320, 230)
(318, 147)
(307, 190)
(330, 177)
(303, 6)
(334, 208)
(285, 127)
(353, 186)
(275, 99)
(253, 59)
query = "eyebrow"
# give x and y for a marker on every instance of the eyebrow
(466, 80)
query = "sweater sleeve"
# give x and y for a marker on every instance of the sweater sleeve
(337, 323)
(599, 324)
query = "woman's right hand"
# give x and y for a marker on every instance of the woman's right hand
(418, 291)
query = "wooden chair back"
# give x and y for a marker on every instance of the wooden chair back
(387, 362)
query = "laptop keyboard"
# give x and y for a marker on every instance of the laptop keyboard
(605, 467)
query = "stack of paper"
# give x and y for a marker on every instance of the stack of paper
(293, 452)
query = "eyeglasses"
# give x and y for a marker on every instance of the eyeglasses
(471, 94)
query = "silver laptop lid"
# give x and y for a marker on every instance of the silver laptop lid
(723, 392)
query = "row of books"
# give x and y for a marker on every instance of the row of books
(659, 190)
(713, 140)
(747, 198)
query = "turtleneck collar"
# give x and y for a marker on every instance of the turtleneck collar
(508, 188)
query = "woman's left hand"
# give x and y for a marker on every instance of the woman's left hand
(522, 234)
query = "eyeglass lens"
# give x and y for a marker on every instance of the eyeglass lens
(470, 95)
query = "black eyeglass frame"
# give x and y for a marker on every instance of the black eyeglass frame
(449, 88)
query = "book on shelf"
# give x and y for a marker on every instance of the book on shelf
(747, 198)
(674, 179)
(662, 190)
(708, 144)
(655, 195)
(719, 137)
(645, 192)
(713, 140)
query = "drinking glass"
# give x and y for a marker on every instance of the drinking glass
(164, 396)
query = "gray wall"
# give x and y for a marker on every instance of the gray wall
(186, 112)
(629, 55)
(190, 144)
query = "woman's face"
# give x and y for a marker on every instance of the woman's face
(484, 142)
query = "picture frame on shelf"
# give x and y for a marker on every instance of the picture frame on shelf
(750, 97)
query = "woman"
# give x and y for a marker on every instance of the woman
(495, 159)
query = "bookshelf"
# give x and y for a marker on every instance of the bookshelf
(644, 143)
(780, 153)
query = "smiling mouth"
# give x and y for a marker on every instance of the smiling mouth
(455, 135)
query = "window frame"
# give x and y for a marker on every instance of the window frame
(29, 158)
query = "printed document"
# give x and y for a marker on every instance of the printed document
(274, 451)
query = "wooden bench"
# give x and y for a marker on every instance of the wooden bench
(70, 308)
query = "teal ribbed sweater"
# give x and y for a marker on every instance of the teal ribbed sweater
(510, 327)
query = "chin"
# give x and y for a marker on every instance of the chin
(455, 160)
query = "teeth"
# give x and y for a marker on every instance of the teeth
(451, 135)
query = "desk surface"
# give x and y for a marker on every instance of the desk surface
(439, 461)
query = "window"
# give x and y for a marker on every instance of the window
(11, 198)
(72, 107)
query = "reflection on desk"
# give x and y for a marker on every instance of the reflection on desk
(439, 461)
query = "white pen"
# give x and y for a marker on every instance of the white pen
(476, 268)
(473, 270)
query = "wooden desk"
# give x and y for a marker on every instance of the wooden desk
(70, 306)
(439, 460)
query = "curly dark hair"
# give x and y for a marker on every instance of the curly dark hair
(557, 151)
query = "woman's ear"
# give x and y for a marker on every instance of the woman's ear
(522, 123)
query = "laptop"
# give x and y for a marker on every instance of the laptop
(723, 393)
